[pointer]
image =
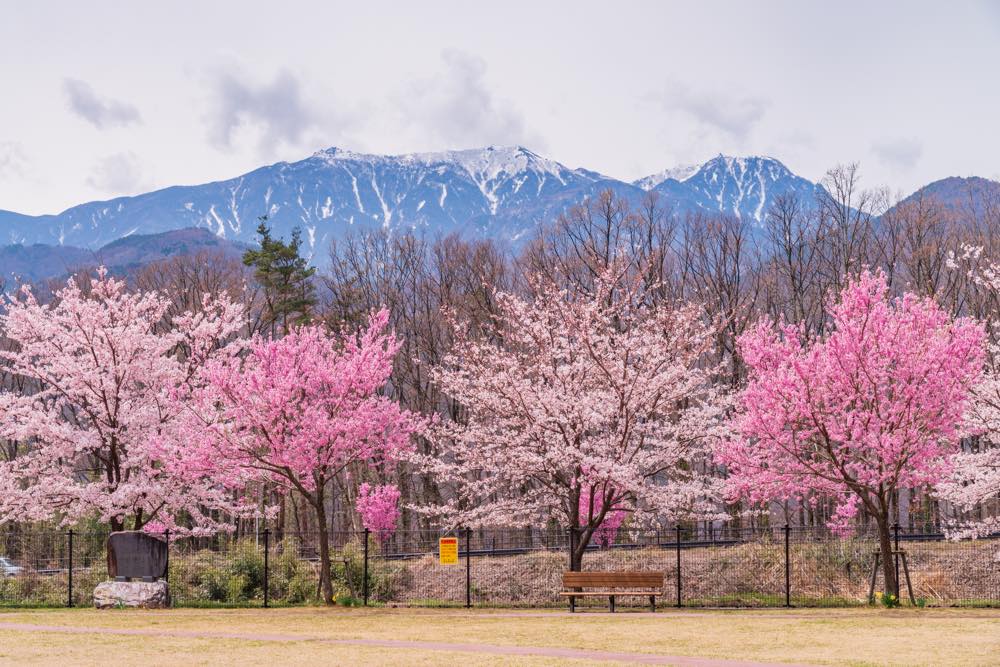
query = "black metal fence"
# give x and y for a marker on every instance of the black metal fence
(786, 566)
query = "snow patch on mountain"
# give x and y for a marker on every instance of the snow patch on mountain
(744, 187)
(680, 173)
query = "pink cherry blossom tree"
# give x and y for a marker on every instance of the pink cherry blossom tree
(591, 505)
(855, 415)
(298, 411)
(105, 369)
(379, 509)
(578, 407)
(973, 487)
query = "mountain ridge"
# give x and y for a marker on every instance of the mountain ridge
(501, 192)
(38, 261)
(972, 195)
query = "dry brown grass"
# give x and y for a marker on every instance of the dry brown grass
(850, 637)
(823, 573)
(50, 648)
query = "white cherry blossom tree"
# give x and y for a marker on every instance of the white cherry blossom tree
(599, 397)
(108, 373)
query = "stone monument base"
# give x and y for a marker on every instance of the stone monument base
(140, 594)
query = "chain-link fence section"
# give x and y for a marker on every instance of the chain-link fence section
(514, 567)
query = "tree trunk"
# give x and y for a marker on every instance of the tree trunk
(575, 560)
(325, 578)
(581, 541)
(885, 550)
(295, 514)
(279, 525)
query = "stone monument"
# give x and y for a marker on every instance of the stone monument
(137, 564)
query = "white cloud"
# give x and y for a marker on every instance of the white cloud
(730, 114)
(899, 153)
(13, 161)
(457, 108)
(274, 111)
(118, 174)
(101, 112)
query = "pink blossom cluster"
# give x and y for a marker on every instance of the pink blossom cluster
(875, 405)
(592, 505)
(379, 509)
(298, 410)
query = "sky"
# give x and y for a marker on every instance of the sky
(102, 99)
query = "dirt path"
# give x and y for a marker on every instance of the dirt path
(693, 612)
(488, 649)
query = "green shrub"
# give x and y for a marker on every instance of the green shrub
(384, 577)
(290, 579)
(300, 589)
(233, 577)
(348, 601)
(34, 590)
(246, 577)
(212, 584)
(889, 601)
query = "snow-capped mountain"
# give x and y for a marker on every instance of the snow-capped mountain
(741, 186)
(497, 192)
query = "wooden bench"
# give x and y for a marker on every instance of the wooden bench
(612, 584)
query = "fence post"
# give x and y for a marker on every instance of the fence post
(788, 568)
(678, 565)
(166, 573)
(69, 598)
(895, 530)
(468, 567)
(267, 544)
(364, 584)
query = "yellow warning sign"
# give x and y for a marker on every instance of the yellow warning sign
(448, 550)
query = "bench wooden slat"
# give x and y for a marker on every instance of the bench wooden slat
(604, 594)
(613, 579)
(653, 583)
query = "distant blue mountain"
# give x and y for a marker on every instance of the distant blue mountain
(744, 187)
(497, 192)
(972, 197)
(37, 262)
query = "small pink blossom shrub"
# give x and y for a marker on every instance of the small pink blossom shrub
(379, 509)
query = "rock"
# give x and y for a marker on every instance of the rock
(141, 594)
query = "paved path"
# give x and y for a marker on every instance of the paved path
(488, 649)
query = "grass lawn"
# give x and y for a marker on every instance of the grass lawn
(294, 636)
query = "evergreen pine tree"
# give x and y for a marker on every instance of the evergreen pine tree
(285, 276)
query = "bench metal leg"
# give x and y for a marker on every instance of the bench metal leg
(612, 598)
(572, 604)
(652, 603)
